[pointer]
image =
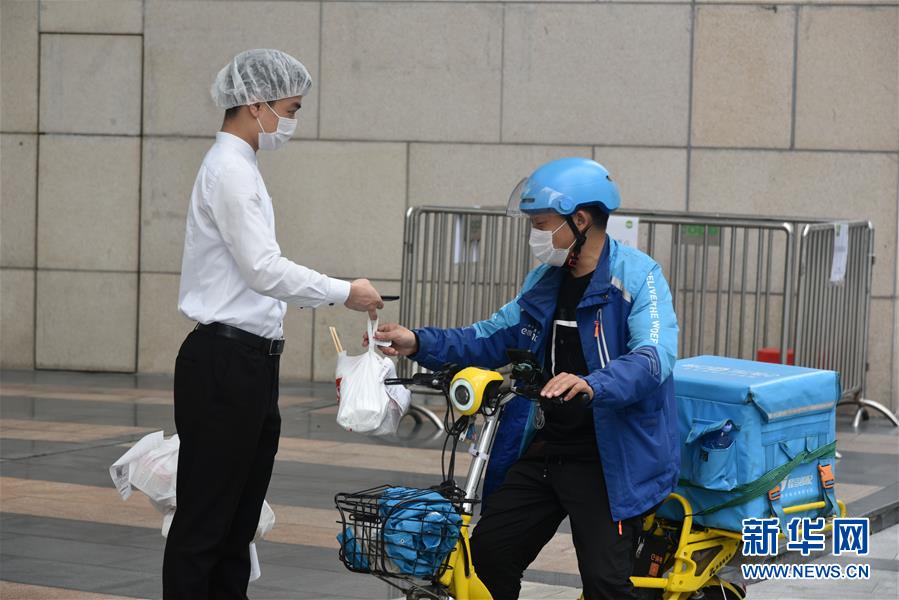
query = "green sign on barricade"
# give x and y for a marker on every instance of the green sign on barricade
(696, 234)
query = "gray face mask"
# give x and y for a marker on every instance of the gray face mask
(276, 139)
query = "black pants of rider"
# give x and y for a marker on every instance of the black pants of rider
(226, 413)
(523, 514)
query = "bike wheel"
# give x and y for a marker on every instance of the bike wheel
(427, 594)
(719, 592)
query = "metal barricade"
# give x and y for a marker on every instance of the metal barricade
(459, 265)
(736, 283)
(731, 279)
(834, 296)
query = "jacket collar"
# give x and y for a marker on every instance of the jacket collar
(598, 290)
(540, 301)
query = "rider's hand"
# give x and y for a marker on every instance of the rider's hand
(563, 382)
(402, 340)
(364, 297)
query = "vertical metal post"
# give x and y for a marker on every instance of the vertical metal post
(787, 306)
(731, 275)
(700, 324)
(718, 286)
(765, 327)
(742, 320)
(758, 291)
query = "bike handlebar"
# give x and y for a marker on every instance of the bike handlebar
(532, 393)
(439, 380)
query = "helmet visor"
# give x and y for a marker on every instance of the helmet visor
(514, 207)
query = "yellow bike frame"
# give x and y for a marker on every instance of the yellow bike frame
(687, 575)
(460, 578)
(682, 581)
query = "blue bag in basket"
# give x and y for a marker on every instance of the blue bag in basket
(420, 529)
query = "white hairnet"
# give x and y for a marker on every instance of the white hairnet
(260, 75)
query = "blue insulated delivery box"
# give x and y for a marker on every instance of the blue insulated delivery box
(756, 438)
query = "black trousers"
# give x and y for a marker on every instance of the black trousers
(523, 514)
(226, 413)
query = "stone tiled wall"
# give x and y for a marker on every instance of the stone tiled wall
(744, 106)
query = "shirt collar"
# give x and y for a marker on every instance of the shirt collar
(234, 142)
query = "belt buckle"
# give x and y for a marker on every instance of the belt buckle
(276, 347)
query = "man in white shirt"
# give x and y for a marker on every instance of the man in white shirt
(236, 284)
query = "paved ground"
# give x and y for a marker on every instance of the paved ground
(65, 533)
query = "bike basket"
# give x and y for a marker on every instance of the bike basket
(399, 532)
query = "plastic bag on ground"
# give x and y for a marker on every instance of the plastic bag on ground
(366, 405)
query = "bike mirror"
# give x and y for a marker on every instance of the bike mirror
(525, 366)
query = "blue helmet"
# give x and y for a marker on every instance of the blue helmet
(564, 185)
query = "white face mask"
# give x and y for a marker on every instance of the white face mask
(276, 139)
(541, 243)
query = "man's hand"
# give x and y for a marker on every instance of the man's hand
(403, 342)
(364, 297)
(563, 382)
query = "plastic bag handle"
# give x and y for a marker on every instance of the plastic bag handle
(372, 328)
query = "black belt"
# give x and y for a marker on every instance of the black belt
(264, 345)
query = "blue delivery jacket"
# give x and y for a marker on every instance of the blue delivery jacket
(628, 333)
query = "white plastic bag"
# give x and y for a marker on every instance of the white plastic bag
(266, 522)
(151, 466)
(121, 470)
(156, 472)
(366, 405)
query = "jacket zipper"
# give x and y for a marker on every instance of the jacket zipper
(597, 331)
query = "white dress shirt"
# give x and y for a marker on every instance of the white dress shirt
(232, 270)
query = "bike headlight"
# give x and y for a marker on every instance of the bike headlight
(469, 387)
